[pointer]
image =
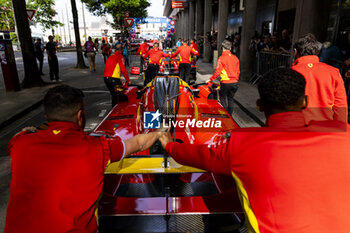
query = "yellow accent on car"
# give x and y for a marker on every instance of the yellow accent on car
(56, 131)
(147, 165)
(116, 72)
(96, 213)
(252, 222)
(224, 75)
(310, 65)
(183, 83)
(138, 114)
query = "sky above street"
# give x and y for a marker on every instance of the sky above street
(155, 10)
(63, 8)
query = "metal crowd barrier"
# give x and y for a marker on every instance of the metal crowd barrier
(267, 61)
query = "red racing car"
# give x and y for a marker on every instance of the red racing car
(149, 191)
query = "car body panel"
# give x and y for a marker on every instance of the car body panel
(150, 184)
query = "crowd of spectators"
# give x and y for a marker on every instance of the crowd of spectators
(334, 55)
(277, 43)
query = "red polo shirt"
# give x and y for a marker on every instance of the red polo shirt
(227, 67)
(114, 66)
(291, 177)
(325, 88)
(185, 52)
(143, 49)
(57, 178)
(155, 56)
(195, 46)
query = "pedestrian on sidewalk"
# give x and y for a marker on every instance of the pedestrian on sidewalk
(155, 58)
(51, 51)
(291, 176)
(114, 66)
(178, 43)
(228, 70)
(185, 53)
(90, 53)
(143, 49)
(39, 54)
(57, 173)
(106, 51)
(126, 48)
(324, 84)
(97, 44)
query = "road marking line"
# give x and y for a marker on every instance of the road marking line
(90, 127)
(102, 113)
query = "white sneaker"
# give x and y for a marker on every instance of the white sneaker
(59, 80)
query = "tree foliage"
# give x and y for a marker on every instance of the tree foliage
(6, 15)
(44, 14)
(117, 8)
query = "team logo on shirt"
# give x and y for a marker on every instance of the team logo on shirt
(56, 131)
(151, 120)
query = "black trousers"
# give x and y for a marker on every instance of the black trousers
(151, 73)
(185, 72)
(53, 63)
(126, 59)
(41, 61)
(142, 62)
(105, 56)
(226, 93)
(111, 83)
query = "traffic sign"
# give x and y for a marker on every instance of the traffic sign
(30, 14)
(172, 22)
(126, 14)
(172, 30)
(129, 22)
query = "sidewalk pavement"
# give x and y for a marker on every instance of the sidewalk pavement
(13, 105)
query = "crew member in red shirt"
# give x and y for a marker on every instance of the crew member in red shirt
(228, 70)
(324, 84)
(195, 47)
(155, 58)
(143, 49)
(291, 176)
(57, 173)
(114, 66)
(185, 52)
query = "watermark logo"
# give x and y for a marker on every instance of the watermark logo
(151, 120)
